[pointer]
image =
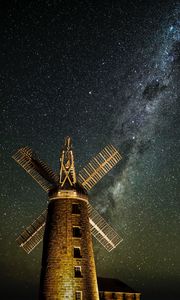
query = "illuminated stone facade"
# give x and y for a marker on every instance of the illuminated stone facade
(68, 267)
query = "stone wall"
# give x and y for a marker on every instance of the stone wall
(58, 277)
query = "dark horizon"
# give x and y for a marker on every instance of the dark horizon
(101, 72)
(30, 292)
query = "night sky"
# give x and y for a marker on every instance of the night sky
(102, 72)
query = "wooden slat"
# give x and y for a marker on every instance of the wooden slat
(102, 231)
(33, 234)
(99, 166)
(42, 174)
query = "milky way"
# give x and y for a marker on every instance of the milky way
(145, 130)
(101, 72)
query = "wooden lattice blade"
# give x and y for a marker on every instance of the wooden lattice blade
(33, 234)
(99, 166)
(43, 175)
(102, 231)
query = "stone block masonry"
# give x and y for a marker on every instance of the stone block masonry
(64, 276)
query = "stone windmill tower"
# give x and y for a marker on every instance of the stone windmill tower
(68, 267)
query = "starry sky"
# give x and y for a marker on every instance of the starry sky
(102, 72)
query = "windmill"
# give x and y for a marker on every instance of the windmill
(68, 267)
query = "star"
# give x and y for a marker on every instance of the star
(102, 73)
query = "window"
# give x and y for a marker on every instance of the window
(77, 252)
(76, 231)
(78, 295)
(76, 209)
(77, 271)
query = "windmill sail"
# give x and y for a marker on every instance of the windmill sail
(99, 166)
(102, 231)
(33, 234)
(46, 178)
